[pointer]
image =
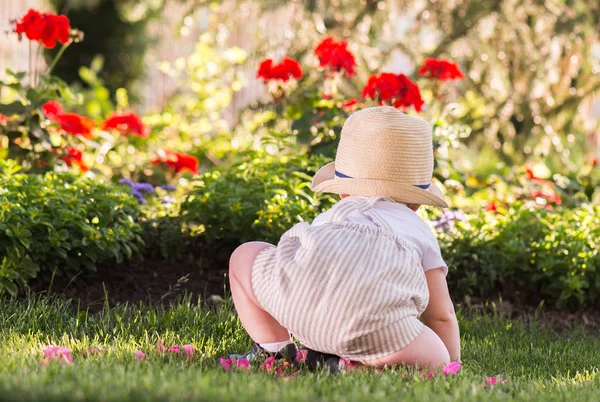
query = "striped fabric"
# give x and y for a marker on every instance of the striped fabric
(342, 288)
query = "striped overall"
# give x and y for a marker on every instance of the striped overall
(343, 288)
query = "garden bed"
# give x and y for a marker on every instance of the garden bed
(143, 279)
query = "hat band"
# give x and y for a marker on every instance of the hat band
(344, 176)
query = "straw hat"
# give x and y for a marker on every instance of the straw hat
(383, 152)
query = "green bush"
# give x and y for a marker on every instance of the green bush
(256, 199)
(58, 223)
(537, 253)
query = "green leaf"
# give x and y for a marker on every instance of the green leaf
(12, 108)
(9, 286)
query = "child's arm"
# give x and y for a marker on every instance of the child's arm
(439, 315)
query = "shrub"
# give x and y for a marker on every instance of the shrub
(58, 223)
(539, 253)
(257, 199)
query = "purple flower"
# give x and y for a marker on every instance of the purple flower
(446, 222)
(138, 196)
(126, 181)
(168, 187)
(143, 187)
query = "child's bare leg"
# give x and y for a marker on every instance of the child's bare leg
(427, 351)
(259, 324)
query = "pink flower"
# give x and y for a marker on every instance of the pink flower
(348, 364)
(57, 353)
(139, 355)
(301, 356)
(226, 363)
(268, 364)
(451, 368)
(175, 349)
(490, 382)
(189, 351)
(430, 374)
(243, 364)
(160, 347)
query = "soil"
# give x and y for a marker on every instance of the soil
(204, 274)
(143, 279)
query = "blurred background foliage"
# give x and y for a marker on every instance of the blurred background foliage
(517, 140)
(532, 65)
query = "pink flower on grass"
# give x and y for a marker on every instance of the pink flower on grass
(490, 381)
(301, 355)
(228, 364)
(175, 349)
(160, 347)
(189, 351)
(451, 368)
(269, 363)
(59, 353)
(139, 355)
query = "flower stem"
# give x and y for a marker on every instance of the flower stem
(30, 66)
(35, 66)
(58, 56)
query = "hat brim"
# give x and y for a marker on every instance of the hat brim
(325, 181)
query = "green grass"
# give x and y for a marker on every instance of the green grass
(540, 364)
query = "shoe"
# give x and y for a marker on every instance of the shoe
(288, 353)
(316, 360)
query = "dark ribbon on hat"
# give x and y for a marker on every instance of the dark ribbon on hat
(344, 176)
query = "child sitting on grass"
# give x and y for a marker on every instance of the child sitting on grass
(352, 285)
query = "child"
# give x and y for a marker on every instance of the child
(354, 282)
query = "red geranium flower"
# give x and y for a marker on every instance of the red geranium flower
(52, 109)
(491, 206)
(443, 70)
(533, 178)
(46, 28)
(350, 105)
(336, 56)
(283, 71)
(3, 119)
(126, 123)
(75, 124)
(549, 196)
(395, 89)
(75, 156)
(177, 161)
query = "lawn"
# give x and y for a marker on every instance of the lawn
(538, 363)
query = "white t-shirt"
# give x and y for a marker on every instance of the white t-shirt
(406, 225)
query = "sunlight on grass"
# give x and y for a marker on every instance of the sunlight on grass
(537, 363)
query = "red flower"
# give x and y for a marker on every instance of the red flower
(396, 89)
(491, 206)
(46, 28)
(3, 119)
(336, 55)
(283, 71)
(75, 156)
(533, 178)
(350, 105)
(52, 109)
(75, 124)
(177, 161)
(549, 196)
(126, 123)
(592, 161)
(438, 69)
